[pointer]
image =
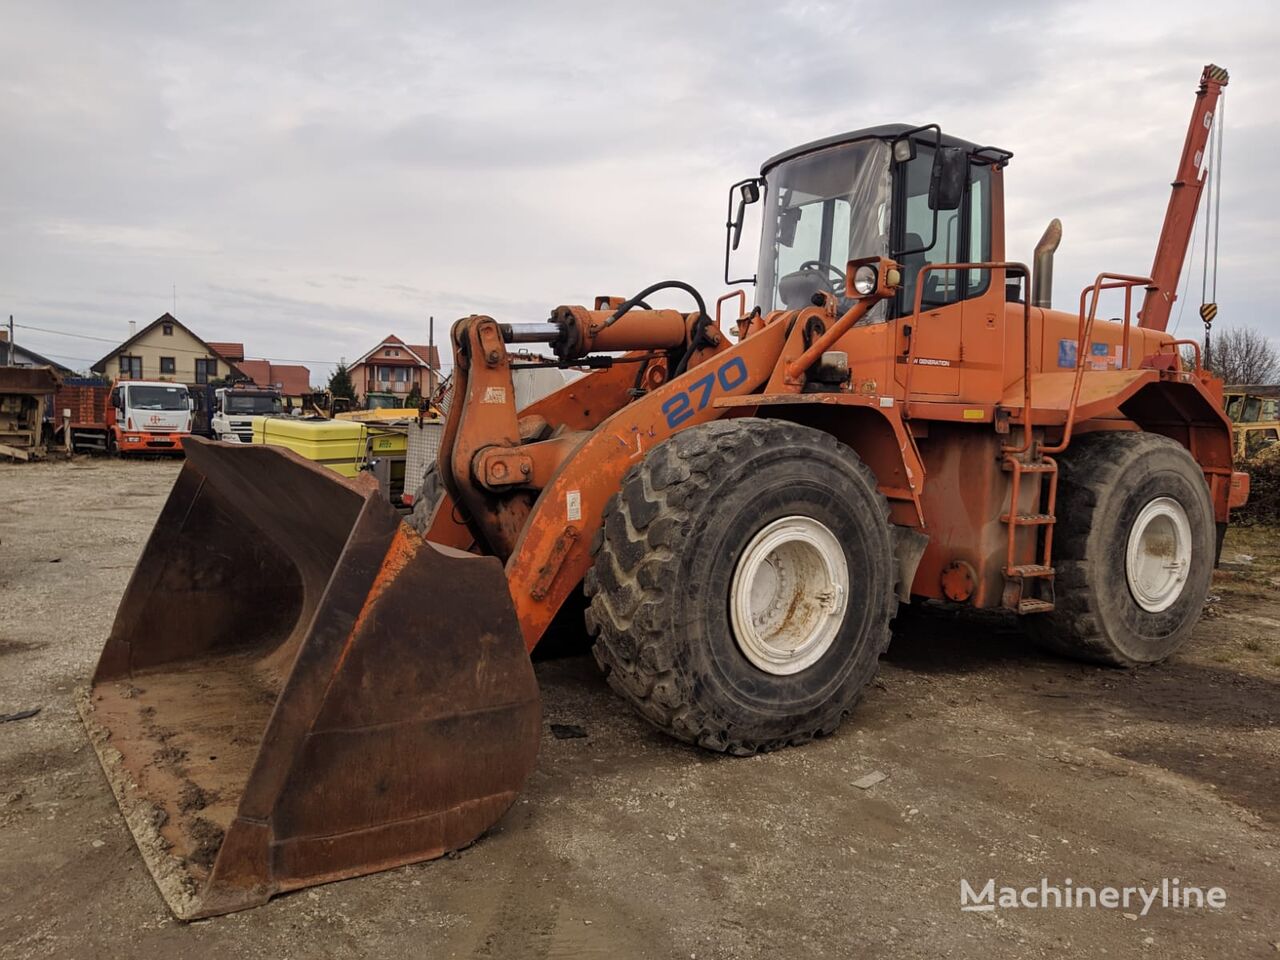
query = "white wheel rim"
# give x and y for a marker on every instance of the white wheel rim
(789, 594)
(1158, 555)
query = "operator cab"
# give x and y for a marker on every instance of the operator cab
(909, 193)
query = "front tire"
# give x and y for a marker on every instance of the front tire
(1133, 550)
(743, 584)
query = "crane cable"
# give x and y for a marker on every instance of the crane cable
(1209, 282)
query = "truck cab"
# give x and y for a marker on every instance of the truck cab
(235, 407)
(148, 416)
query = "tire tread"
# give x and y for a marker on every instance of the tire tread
(638, 554)
(1092, 464)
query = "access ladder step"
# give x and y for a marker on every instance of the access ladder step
(1034, 606)
(1030, 519)
(1029, 570)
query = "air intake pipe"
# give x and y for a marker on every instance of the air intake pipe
(1042, 277)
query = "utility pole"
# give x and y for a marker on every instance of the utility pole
(431, 349)
(9, 360)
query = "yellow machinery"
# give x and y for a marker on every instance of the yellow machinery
(386, 408)
(379, 415)
(1255, 418)
(344, 446)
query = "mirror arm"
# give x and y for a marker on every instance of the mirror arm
(733, 226)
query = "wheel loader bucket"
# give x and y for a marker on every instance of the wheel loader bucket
(298, 688)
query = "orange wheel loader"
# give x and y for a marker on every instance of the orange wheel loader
(301, 686)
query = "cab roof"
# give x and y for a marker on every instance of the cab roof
(886, 131)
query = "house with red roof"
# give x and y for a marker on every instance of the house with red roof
(396, 367)
(292, 379)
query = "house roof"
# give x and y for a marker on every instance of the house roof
(228, 350)
(19, 351)
(294, 379)
(427, 351)
(163, 318)
(419, 352)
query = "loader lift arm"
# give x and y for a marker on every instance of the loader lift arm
(542, 519)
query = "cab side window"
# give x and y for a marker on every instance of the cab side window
(961, 236)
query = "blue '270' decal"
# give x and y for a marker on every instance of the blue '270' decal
(682, 406)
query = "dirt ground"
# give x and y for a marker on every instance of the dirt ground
(1001, 763)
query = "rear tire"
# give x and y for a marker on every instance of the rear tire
(1133, 548)
(743, 584)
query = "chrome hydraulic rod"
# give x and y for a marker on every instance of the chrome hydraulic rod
(531, 332)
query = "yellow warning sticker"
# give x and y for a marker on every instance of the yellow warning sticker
(973, 414)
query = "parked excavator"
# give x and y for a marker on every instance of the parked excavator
(902, 416)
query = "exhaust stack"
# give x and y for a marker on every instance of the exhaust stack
(1042, 277)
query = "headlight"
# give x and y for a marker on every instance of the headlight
(865, 279)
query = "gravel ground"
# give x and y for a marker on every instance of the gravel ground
(1000, 763)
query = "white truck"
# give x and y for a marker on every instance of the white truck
(235, 407)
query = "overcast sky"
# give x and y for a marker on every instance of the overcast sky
(312, 177)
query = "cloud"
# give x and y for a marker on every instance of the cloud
(313, 176)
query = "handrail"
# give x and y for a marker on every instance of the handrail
(742, 309)
(1009, 266)
(1198, 370)
(1091, 294)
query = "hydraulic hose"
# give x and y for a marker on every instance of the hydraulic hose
(638, 299)
(699, 328)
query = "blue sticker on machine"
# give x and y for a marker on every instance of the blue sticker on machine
(1099, 349)
(1067, 354)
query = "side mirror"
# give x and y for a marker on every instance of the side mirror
(787, 224)
(749, 194)
(948, 178)
(747, 191)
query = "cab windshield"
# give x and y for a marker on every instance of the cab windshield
(376, 401)
(158, 398)
(253, 404)
(822, 210)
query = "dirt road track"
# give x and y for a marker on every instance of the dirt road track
(1001, 764)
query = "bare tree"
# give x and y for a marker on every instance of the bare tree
(1243, 355)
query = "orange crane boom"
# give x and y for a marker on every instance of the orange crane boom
(1180, 217)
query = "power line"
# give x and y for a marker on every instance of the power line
(86, 336)
(174, 349)
(63, 333)
(63, 356)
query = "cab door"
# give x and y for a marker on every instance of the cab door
(933, 343)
